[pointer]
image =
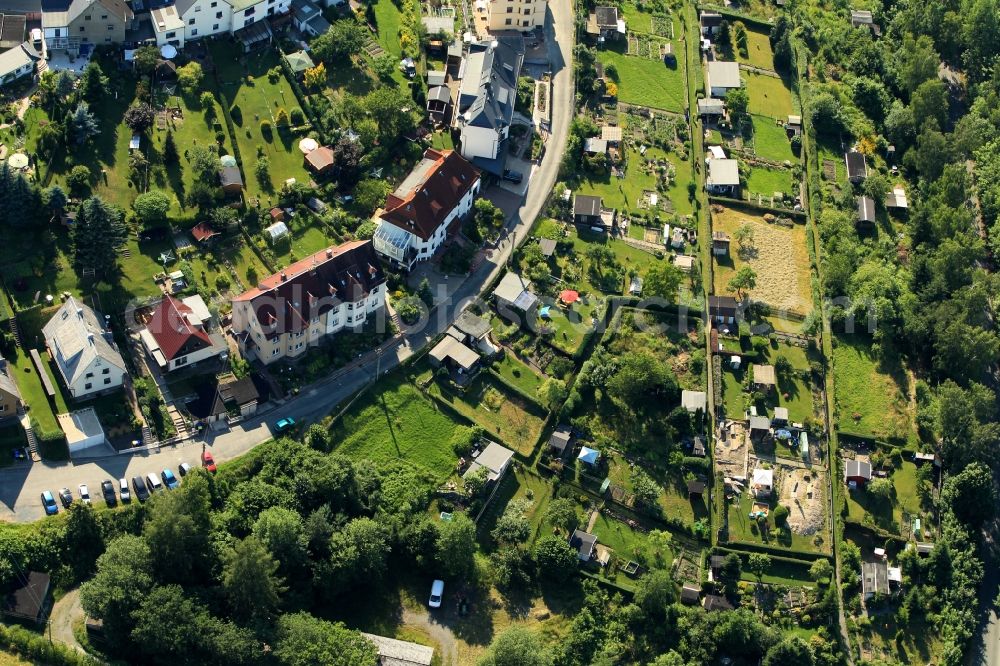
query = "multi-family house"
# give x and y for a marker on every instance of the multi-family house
(187, 20)
(522, 15)
(337, 288)
(79, 25)
(84, 352)
(486, 98)
(10, 396)
(418, 214)
(180, 333)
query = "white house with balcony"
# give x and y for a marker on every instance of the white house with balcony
(419, 216)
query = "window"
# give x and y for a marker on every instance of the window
(3, 408)
(275, 351)
(110, 27)
(87, 17)
(104, 17)
(82, 28)
(270, 11)
(527, 22)
(527, 12)
(218, 15)
(249, 12)
(510, 10)
(88, 386)
(190, 21)
(194, 32)
(181, 361)
(107, 380)
(215, 26)
(214, 5)
(89, 375)
(197, 8)
(106, 371)
(56, 32)
(507, 22)
(171, 35)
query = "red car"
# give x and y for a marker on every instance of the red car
(208, 461)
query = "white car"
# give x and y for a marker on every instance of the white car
(153, 481)
(123, 491)
(84, 493)
(437, 594)
(184, 469)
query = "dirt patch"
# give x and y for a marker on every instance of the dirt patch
(64, 612)
(731, 450)
(779, 256)
(802, 491)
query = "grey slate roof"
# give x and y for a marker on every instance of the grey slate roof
(470, 324)
(75, 336)
(492, 71)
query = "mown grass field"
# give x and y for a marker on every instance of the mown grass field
(870, 400)
(520, 374)
(646, 82)
(896, 515)
(759, 53)
(769, 96)
(766, 181)
(395, 422)
(770, 141)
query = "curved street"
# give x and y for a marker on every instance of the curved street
(21, 485)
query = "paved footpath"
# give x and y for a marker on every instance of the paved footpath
(21, 485)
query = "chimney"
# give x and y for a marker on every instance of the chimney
(79, 312)
(90, 338)
(329, 252)
(283, 276)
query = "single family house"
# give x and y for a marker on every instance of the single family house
(84, 352)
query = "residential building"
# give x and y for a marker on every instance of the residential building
(587, 209)
(584, 543)
(723, 77)
(696, 488)
(896, 198)
(710, 22)
(486, 97)
(690, 594)
(455, 356)
(857, 473)
(17, 63)
(780, 418)
(394, 652)
(249, 12)
(320, 161)
(439, 104)
(80, 24)
(85, 354)
(560, 439)
(692, 401)
(760, 427)
(521, 15)
(336, 288)
(866, 211)
(426, 207)
(308, 18)
(724, 309)
(179, 334)
(495, 459)
(874, 579)
(604, 23)
(231, 179)
(723, 177)
(473, 331)
(711, 109)
(857, 169)
(715, 602)
(10, 395)
(763, 377)
(229, 397)
(29, 597)
(514, 294)
(720, 243)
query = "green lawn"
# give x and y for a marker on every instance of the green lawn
(743, 528)
(624, 194)
(253, 98)
(732, 392)
(673, 500)
(770, 141)
(897, 514)
(308, 235)
(870, 400)
(518, 373)
(767, 181)
(759, 52)
(517, 484)
(627, 544)
(647, 82)
(783, 572)
(769, 96)
(388, 20)
(500, 411)
(395, 422)
(32, 391)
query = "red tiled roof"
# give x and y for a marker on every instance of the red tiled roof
(288, 300)
(202, 231)
(423, 210)
(170, 328)
(320, 159)
(277, 214)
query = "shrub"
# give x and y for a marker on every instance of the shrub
(297, 116)
(265, 130)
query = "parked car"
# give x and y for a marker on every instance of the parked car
(437, 594)
(84, 493)
(66, 497)
(169, 480)
(284, 424)
(208, 461)
(184, 469)
(512, 176)
(108, 490)
(153, 483)
(49, 502)
(139, 486)
(123, 491)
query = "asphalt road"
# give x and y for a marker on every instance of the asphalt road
(985, 649)
(21, 485)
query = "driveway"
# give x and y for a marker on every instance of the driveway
(21, 486)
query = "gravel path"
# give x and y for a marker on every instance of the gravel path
(444, 637)
(64, 612)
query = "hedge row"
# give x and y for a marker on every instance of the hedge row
(782, 212)
(303, 99)
(791, 554)
(38, 648)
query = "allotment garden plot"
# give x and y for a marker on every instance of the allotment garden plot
(779, 255)
(769, 95)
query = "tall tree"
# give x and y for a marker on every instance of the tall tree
(343, 40)
(93, 83)
(281, 530)
(152, 207)
(743, 281)
(304, 640)
(663, 281)
(516, 646)
(82, 125)
(250, 580)
(98, 233)
(179, 531)
(124, 576)
(456, 546)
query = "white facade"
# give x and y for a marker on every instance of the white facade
(406, 247)
(207, 17)
(182, 22)
(247, 12)
(482, 142)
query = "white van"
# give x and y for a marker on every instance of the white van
(154, 483)
(437, 593)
